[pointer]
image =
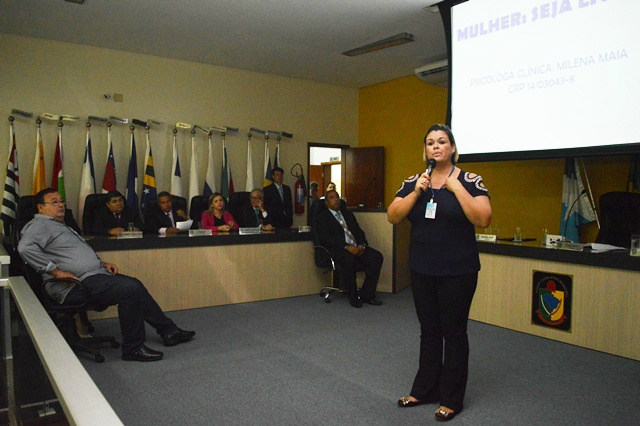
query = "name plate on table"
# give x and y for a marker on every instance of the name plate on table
(486, 238)
(199, 232)
(249, 231)
(568, 245)
(129, 234)
(304, 229)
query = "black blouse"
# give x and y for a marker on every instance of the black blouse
(446, 245)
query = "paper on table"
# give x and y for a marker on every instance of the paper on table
(184, 226)
(599, 247)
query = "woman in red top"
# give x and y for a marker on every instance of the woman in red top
(217, 218)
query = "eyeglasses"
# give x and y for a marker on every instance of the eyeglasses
(54, 203)
(116, 201)
(256, 198)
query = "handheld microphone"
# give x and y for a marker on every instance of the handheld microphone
(431, 164)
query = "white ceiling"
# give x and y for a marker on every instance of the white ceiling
(294, 38)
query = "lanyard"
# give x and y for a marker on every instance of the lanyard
(433, 194)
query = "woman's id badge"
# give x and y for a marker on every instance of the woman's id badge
(430, 213)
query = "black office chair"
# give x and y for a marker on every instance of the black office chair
(237, 202)
(619, 218)
(322, 256)
(179, 203)
(62, 314)
(91, 203)
(199, 203)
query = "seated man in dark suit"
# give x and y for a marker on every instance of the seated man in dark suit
(55, 250)
(164, 218)
(254, 214)
(278, 201)
(115, 216)
(339, 232)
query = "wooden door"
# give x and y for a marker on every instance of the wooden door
(364, 177)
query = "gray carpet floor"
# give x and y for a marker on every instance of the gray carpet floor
(300, 361)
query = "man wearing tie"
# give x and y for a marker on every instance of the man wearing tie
(339, 232)
(278, 201)
(254, 214)
(163, 220)
(115, 217)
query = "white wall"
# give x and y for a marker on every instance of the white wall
(40, 75)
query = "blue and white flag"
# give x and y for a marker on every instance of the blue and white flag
(576, 207)
(176, 175)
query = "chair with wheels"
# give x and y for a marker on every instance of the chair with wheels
(322, 256)
(62, 314)
(91, 203)
(237, 202)
(619, 218)
(199, 203)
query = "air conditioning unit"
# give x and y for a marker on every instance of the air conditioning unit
(436, 73)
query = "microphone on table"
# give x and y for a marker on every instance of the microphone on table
(431, 164)
(564, 232)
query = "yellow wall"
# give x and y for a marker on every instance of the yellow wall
(527, 194)
(48, 76)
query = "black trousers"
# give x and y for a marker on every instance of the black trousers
(370, 261)
(135, 306)
(442, 305)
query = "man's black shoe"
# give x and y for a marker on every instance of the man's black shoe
(356, 303)
(143, 354)
(178, 336)
(373, 302)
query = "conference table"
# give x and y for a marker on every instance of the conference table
(184, 272)
(605, 298)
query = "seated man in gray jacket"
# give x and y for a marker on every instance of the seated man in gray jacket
(55, 250)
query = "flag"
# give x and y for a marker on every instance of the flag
(176, 176)
(267, 166)
(11, 185)
(193, 172)
(39, 181)
(576, 208)
(149, 193)
(249, 185)
(209, 182)
(276, 159)
(132, 177)
(88, 179)
(57, 177)
(634, 173)
(109, 181)
(227, 179)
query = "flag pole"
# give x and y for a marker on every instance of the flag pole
(593, 206)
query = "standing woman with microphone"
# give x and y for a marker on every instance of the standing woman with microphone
(443, 207)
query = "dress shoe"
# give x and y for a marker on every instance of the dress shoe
(405, 402)
(143, 354)
(374, 302)
(443, 416)
(178, 336)
(356, 303)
